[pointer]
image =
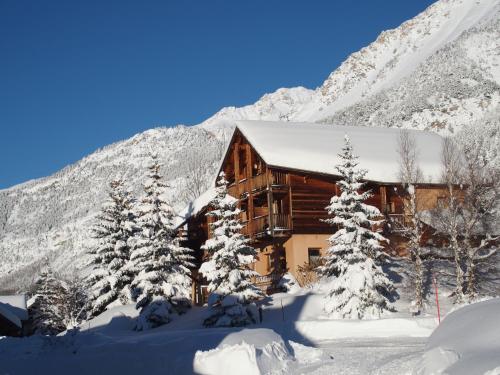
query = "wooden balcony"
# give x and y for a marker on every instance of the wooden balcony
(399, 222)
(259, 183)
(259, 227)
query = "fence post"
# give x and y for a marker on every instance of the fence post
(437, 296)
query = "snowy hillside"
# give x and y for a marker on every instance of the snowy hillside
(439, 71)
(281, 105)
(51, 216)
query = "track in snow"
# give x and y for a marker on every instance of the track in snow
(370, 356)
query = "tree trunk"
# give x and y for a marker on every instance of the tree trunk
(459, 294)
(419, 274)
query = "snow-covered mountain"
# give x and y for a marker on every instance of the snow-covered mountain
(439, 71)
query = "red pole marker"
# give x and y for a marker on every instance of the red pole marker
(437, 296)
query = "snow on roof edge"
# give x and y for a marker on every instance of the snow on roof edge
(310, 144)
(194, 207)
(6, 312)
(197, 205)
(16, 304)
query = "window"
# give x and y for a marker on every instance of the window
(314, 256)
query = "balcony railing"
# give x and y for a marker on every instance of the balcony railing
(279, 179)
(399, 222)
(260, 226)
(258, 182)
(282, 222)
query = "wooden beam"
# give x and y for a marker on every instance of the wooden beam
(236, 159)
(383, 198)
(249, 182)
(290, 204)
(270, 200)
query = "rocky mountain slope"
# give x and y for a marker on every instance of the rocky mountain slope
(439, 71)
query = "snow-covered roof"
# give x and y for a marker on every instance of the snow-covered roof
(14, 308)
(314, 148)
(195, 206)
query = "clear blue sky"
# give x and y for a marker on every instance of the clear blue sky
(77, 75)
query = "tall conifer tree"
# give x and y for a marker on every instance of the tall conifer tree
(162, 282)
(114, 231)
(358, 288)
(228, 268)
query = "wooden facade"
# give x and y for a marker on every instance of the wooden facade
(283, 210)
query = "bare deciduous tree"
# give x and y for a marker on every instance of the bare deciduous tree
(480, 198)
(450, 215)
(472, 198)
(410, 175)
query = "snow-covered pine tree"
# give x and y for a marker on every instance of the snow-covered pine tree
(109, 281)
(74, 302)
(358, 288)
(162, 282)
(228, 266)
(45, 308)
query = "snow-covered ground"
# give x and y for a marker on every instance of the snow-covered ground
(294, 339)
(114, 349)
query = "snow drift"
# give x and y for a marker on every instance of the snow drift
(254, 352)
(467, 342)
(247, 352)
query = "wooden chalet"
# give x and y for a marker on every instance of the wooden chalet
(283, 176)
(13, 315)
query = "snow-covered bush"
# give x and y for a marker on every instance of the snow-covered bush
(289, 283)
(306, 274)
(230, 311)
(358, 288)
(228, 267)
